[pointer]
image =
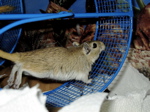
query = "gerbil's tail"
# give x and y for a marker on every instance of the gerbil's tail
(12, 57)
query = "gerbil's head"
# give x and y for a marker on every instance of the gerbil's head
(92, 49)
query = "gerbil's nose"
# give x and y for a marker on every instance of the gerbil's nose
(102, 46)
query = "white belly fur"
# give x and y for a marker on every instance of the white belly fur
(60, 76)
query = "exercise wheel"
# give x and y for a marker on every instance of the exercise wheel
(113, 27)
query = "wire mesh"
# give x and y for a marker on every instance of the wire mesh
(9, 39)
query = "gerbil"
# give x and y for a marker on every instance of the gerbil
(55, 62)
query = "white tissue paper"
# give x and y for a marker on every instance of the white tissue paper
(130, 92)
(132, 102)
(25, 100)
(128, 80)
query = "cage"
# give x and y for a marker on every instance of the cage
(113, 27)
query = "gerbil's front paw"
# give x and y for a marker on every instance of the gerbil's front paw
(88, 81)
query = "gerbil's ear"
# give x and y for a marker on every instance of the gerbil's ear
(75, 44)
(86, 48)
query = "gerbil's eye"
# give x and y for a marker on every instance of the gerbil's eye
(94, 45)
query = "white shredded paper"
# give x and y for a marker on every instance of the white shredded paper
(130, 93)
(24, 100)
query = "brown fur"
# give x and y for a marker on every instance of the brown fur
(55, 62)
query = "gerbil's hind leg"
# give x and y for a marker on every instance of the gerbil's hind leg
(18, 78)
(12, 75)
